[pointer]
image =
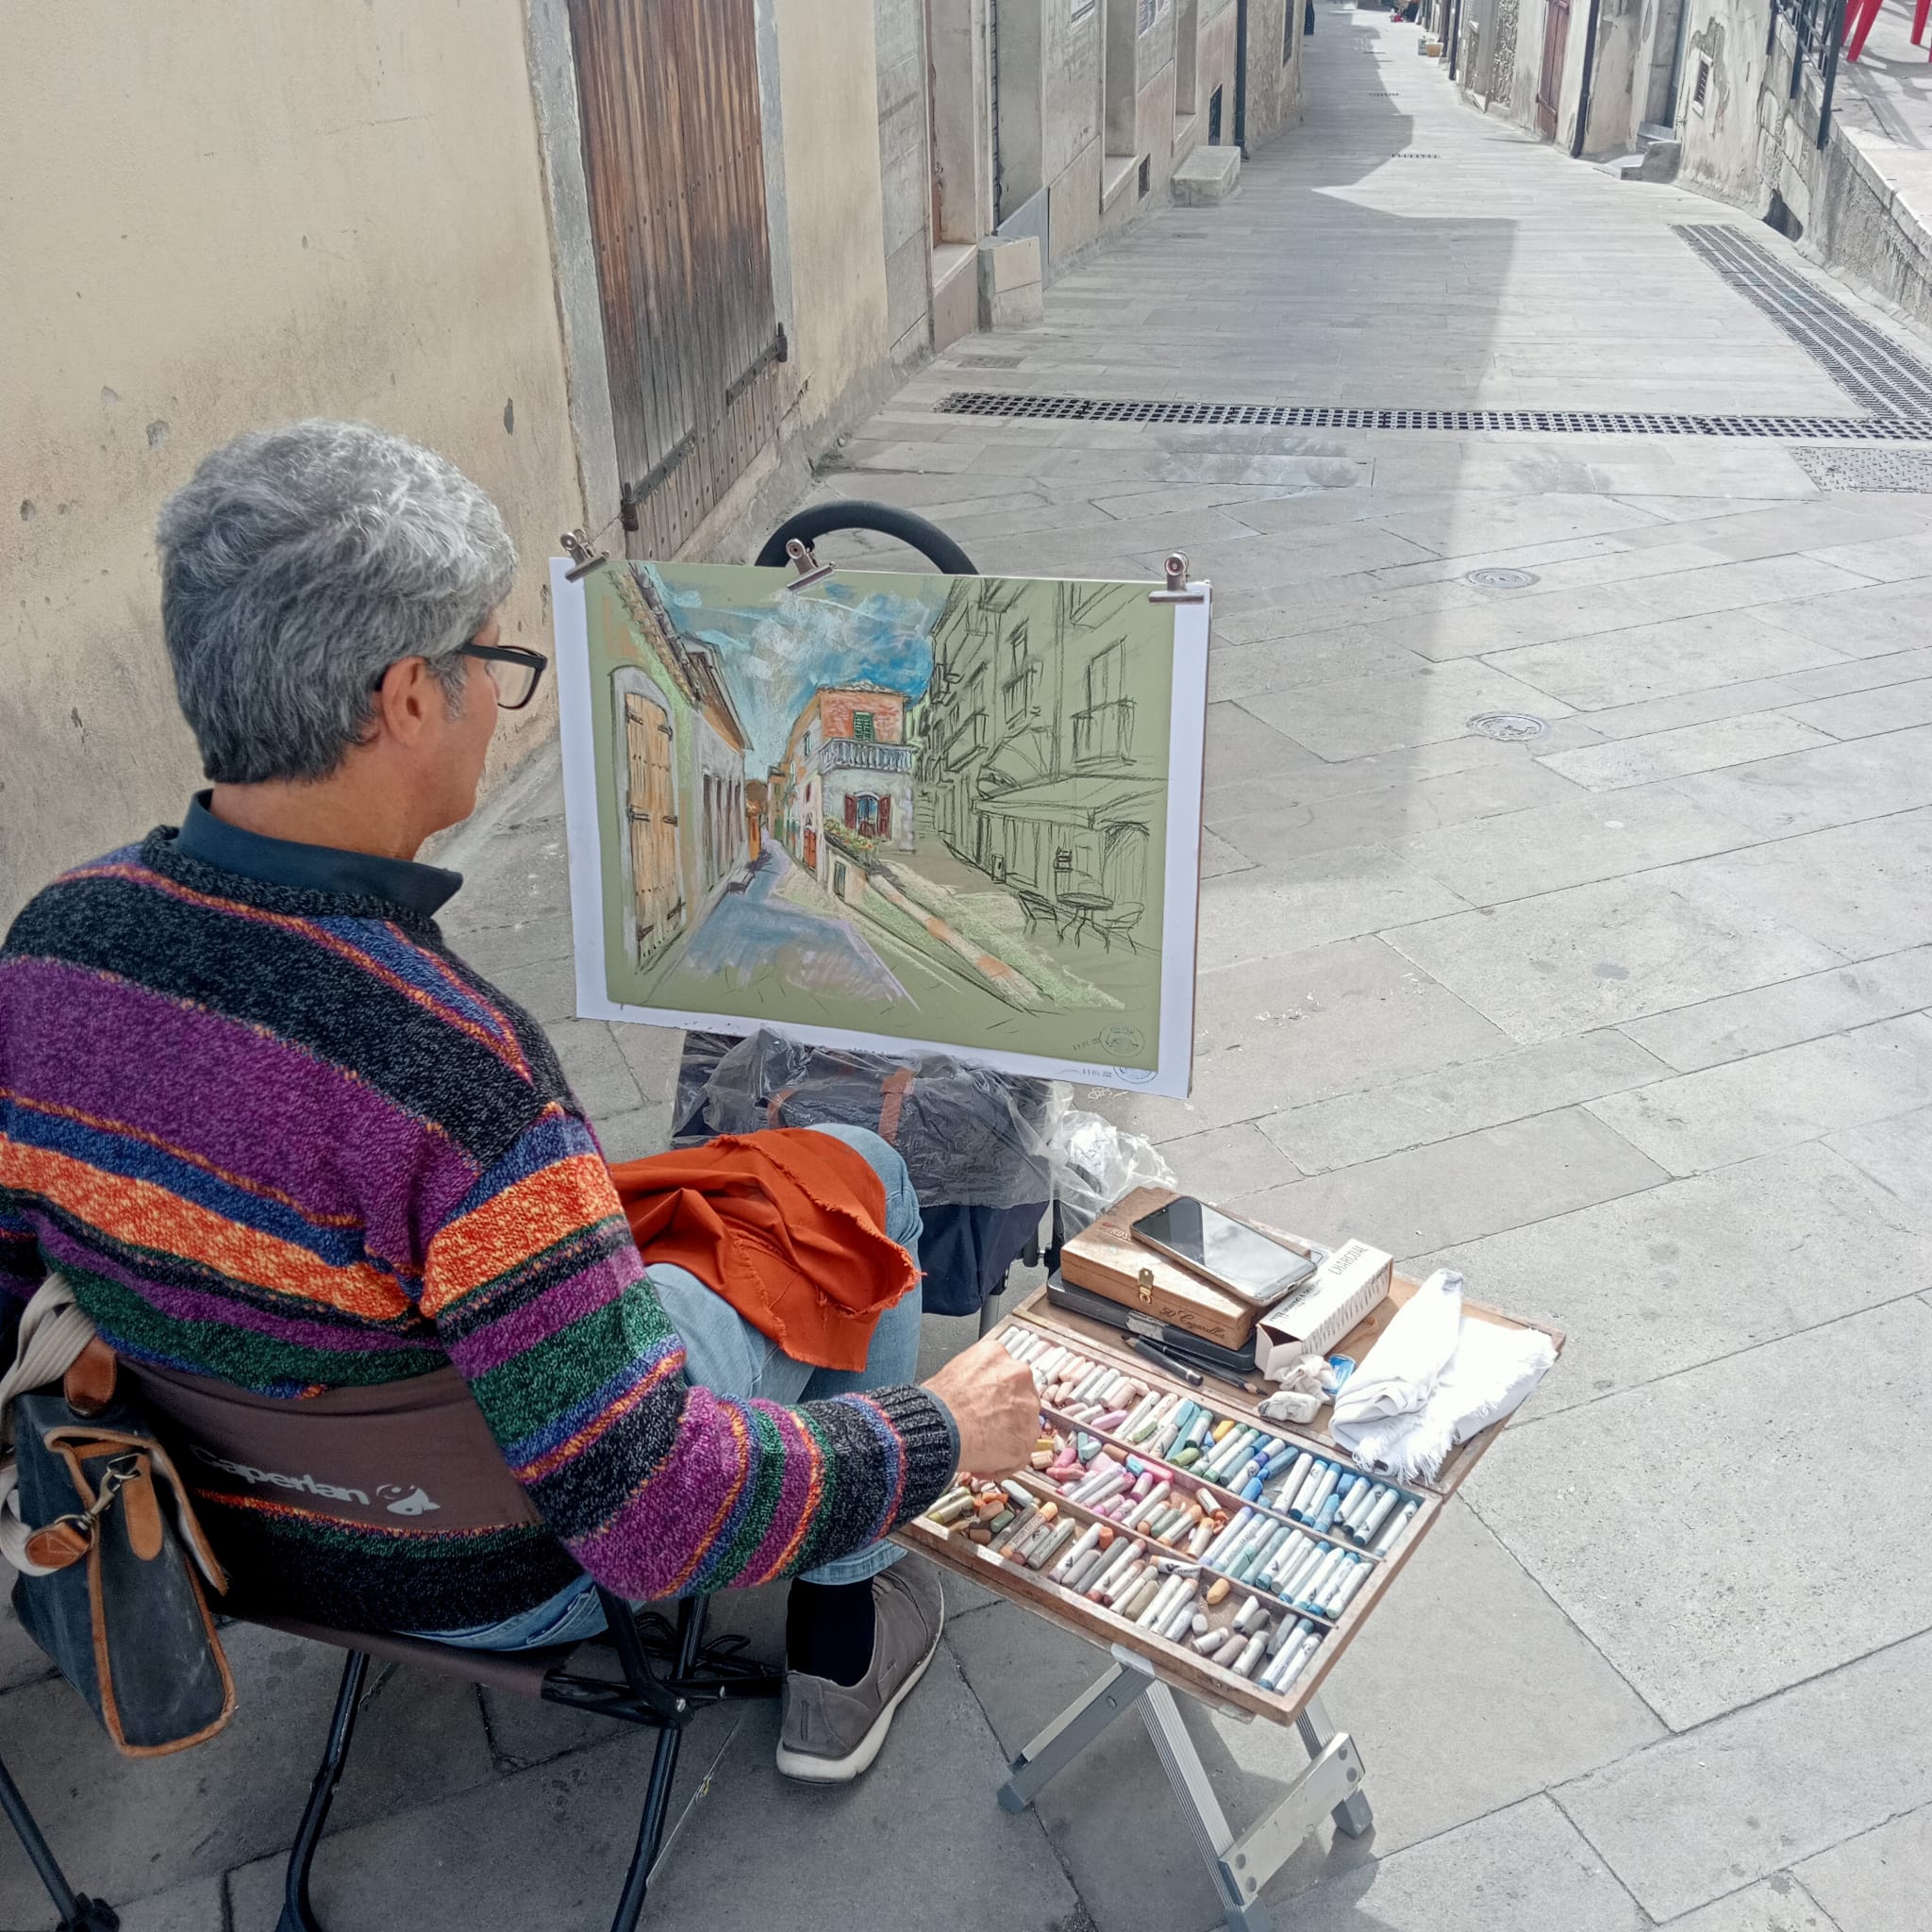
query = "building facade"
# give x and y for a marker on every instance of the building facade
(699, 240)
(846, 781)
(1037, 765)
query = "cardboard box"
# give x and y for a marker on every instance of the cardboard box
(1339, 1292)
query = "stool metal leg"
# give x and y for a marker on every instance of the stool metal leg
(630, 1904)
(78, 1913)
(298, 1914)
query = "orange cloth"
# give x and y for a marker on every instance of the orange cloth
(785, 1224)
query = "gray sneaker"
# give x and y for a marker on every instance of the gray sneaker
(832, 1732)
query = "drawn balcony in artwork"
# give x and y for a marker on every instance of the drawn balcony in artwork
(929, 807)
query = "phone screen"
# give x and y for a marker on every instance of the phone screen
(1205, 1239)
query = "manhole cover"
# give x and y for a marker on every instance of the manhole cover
(1496, 578)
(1512, 728)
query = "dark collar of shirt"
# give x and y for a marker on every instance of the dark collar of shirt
(423, 888)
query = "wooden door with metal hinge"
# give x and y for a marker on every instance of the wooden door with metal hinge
(651, 807)
(674, 156)
(1549, 87)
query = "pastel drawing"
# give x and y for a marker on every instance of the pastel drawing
(924, 807)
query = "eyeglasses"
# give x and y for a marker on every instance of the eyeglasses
(514, 671)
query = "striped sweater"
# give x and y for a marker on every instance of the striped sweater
(278, 1134)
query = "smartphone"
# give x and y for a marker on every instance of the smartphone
(1232, 1256)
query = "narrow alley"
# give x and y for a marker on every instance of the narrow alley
(1569, 808)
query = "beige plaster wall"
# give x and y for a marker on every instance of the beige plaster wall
(827, 78)
(220, 215)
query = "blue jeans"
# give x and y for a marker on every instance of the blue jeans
(724, 1352)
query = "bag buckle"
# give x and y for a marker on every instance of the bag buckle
(79, 1523)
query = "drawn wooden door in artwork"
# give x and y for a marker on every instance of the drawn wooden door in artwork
(1549, 87)
(651, 807)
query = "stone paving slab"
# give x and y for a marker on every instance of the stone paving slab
(1862, 889)
(918, 1844)
(1879, 1882)
(1690, 748)
(1780, 1904)
(1457, 1100)
(198, 1812)
(1599, 954)
(1727, 1113)
(1654, 1283)
(1694, 1818)
(1472, 1734)
(1766, 1017)
(1574, 843)
(1462, 1189)
(1696, 1527)
(1818, 789)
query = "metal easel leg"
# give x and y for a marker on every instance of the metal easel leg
(1076, 1727)
(1239, 1866)
(1353, 1817)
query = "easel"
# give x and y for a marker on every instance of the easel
(1239, 1864)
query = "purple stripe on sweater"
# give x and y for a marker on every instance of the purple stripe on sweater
(650, 1546)
(119, 1051)
(191, 1304)
(524, 1328)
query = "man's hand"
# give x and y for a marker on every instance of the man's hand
(994, 1403)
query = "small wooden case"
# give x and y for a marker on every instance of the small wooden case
(1175, 1662)
(1106, 1260)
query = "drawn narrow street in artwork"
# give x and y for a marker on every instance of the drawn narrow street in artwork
(754, 929)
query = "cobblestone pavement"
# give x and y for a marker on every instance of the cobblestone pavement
(1626, 1019)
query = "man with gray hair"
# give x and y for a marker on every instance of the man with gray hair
(276, 1134)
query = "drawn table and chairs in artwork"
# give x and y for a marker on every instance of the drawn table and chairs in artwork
(1072, 913)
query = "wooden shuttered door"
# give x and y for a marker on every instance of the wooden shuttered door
(674, 159)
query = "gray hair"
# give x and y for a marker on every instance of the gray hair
(297, 565)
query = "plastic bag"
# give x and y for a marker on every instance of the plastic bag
(1097, 1163)
(970, 1137)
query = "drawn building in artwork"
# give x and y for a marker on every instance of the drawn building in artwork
(846, 776)
(679, 763)
(1037, 764)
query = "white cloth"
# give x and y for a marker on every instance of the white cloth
(1419, 1403)
(1399, 1374)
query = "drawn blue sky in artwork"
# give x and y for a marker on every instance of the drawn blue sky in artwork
(775, 651)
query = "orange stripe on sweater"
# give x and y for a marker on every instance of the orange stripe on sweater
(521, 1220)
(150, 1216)
(672, 1364)
(126, 1128)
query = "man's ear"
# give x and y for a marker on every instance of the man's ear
(403, 701)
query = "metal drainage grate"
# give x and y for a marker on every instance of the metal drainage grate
(1867, 469)
(991, 361)
(1532, 422)
(1511, 728)
(1869, 367)
(1494, 577)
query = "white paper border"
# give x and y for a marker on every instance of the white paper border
(1174, 1052)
